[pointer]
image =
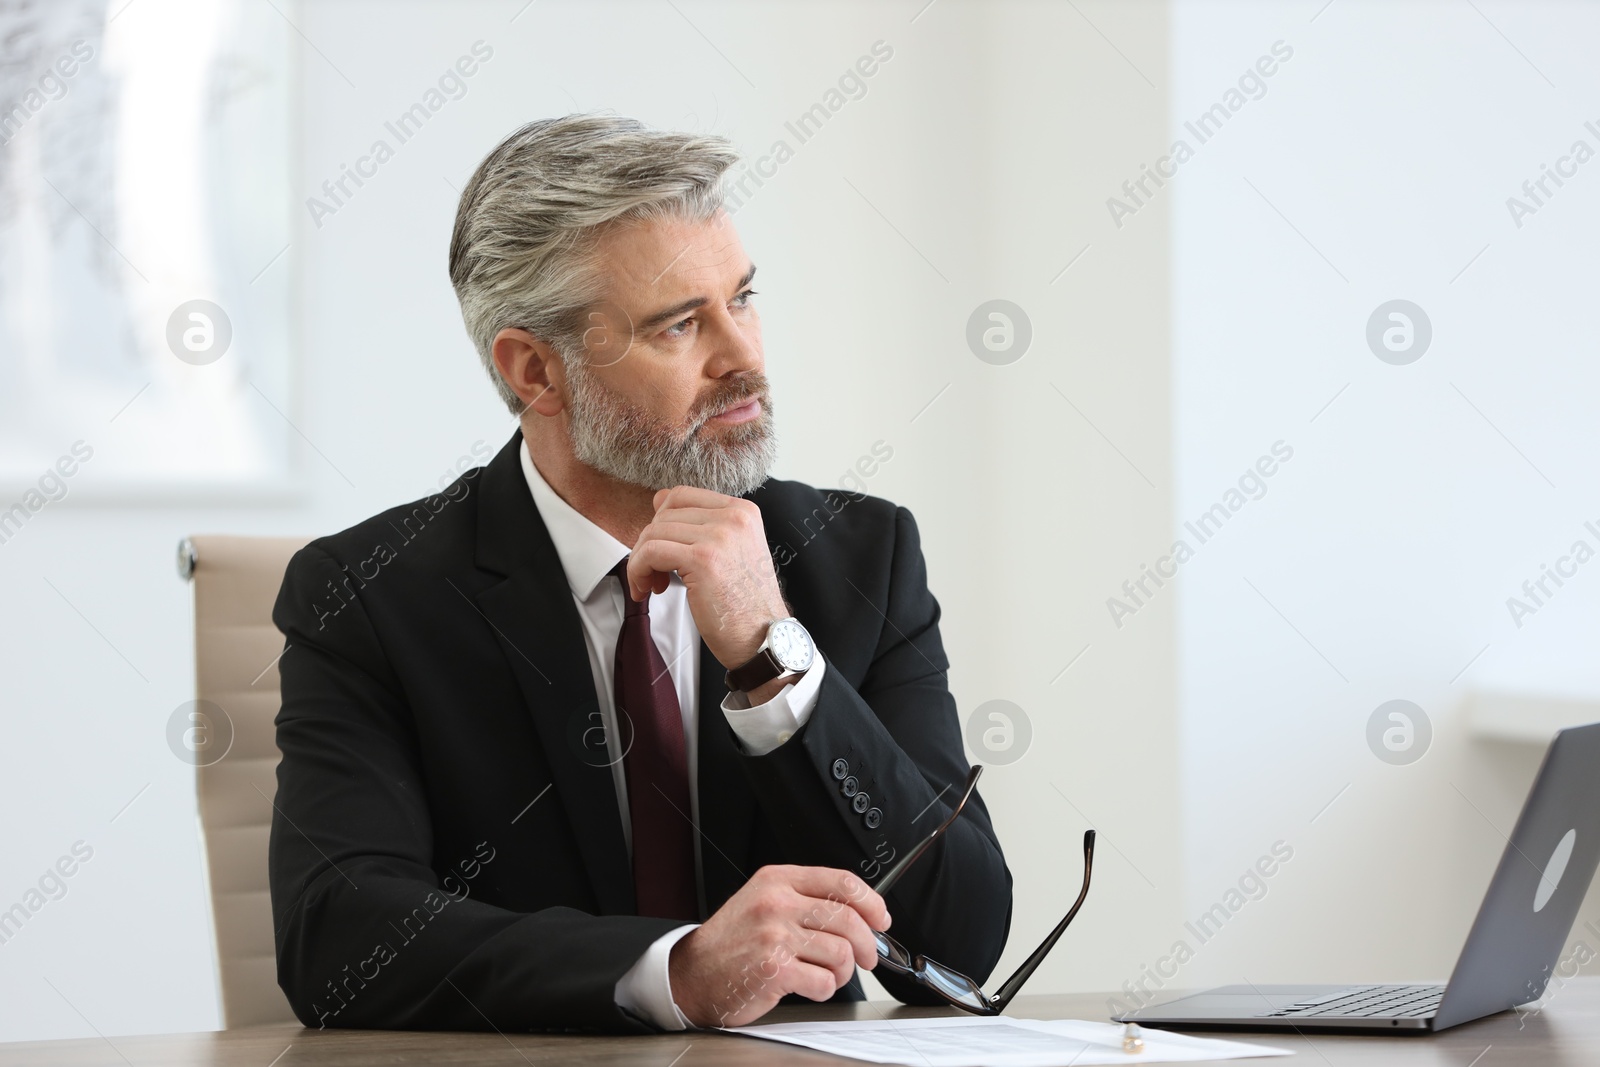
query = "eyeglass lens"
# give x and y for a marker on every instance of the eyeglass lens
(892, 952)
(953, 984)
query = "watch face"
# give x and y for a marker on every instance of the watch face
(791, 645)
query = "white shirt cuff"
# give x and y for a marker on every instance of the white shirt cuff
(646, 990)
(766, 726)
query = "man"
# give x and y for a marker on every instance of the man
(562, 746)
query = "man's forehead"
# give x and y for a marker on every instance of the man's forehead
(670, 257)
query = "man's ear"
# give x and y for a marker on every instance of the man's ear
(532, 368)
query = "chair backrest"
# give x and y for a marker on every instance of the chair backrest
(233, 745)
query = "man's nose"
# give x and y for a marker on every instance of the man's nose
(736, 348)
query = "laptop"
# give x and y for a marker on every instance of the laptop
(1514, 945)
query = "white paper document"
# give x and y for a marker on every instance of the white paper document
(999, 1041)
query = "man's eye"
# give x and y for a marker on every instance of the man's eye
(681, 328)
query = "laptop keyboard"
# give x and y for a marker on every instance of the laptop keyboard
(1366, 1002)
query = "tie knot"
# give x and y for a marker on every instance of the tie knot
(629, 605)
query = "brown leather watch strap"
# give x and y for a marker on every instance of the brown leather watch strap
(755, 672)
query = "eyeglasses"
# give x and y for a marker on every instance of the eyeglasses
(949, 983)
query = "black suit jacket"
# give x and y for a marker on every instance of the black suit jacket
(447, 851)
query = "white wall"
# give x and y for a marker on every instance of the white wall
(1390, 141)
(980, 160)
(1078, 453)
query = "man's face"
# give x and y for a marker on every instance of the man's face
(671, 390)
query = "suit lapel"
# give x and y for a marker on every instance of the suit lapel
(727, 807)
(540, 633)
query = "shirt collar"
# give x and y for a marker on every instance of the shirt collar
(586, 551)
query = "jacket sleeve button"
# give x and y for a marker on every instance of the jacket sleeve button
(850, 787)
(840, 769)
(860, 802)
(873, 818)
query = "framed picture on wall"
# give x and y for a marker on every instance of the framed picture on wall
(145, 252)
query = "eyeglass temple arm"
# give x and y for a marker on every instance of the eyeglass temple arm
(999, 1001)
(889, 879)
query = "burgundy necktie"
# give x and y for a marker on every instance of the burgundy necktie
(657, 768)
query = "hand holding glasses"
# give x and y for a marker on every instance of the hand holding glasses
(949, 983)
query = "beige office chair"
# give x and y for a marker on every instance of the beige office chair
(236, 580)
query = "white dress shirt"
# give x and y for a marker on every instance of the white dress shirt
(587, 554)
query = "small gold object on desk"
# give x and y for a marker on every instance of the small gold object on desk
(1132, 1038)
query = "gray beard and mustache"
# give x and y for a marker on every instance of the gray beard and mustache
(628, 443)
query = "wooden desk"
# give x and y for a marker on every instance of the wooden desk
(1566, 1033)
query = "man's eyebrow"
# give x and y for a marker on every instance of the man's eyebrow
(668, 314)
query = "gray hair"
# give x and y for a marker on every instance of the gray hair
(521, 254)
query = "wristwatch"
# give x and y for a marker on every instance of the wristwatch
(787, 649)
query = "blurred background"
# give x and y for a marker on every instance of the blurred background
(1237, 360)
